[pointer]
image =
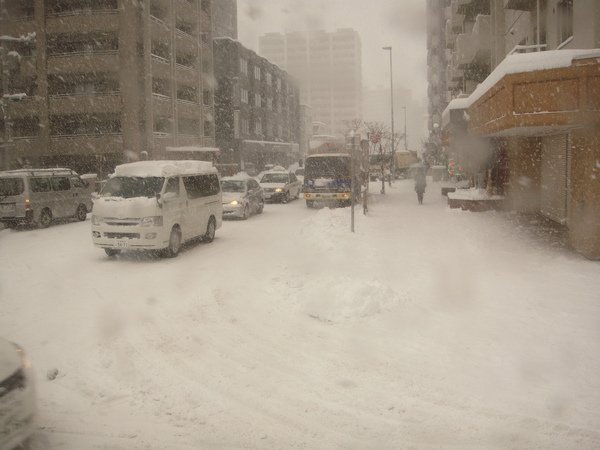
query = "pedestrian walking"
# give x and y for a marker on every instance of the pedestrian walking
(420, 184)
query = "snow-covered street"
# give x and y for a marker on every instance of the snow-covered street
(427, 328)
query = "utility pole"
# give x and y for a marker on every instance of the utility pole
(405, 136)
(393, 150)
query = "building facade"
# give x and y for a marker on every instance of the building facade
(532, 127)
(107, 81)
(257, 109)
(328, 67)
(224, 18)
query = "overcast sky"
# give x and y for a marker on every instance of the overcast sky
(399, 23)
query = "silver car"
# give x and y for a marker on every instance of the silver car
(280, 186)
(17, 396)
(242, 196)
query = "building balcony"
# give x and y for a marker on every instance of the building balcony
(86, 144)
(104, 20)
(29, 106)
(189, 110)
(520, 5)
(161, 68)
(472, 8)
(474, 48)
(105, 61)
(162, 105)
(110, 102)
(159, 30)
(186, 75)
(183, 8)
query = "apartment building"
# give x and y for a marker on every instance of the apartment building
(257, 109)
(436, 67)
(106, 81)
(328, 67)
(224, 18)
(530, 129)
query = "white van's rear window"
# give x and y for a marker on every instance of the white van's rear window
(11, 186)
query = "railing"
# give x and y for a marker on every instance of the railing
(185, 34)
(528, 48)
(83, 12)
(183, 66)
(79, 135)
(83, 52)
(159, 58)
(159, 21)
(83, 94)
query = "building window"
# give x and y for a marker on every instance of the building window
(187, 93)
(269, 103)
(257, 100)
(257, 73)
(258, 127)
(245, 126)
(205, 5)
(25, 127)
(85, 124)
(160, 49)
(161, 87)
(243, 66)
(268, 78)
(207, 98)
(565, 19)
(208, 128)
(244, 95)
(278, 84)
(185, 59)
(162, 125)
(188, 126)
(66, 43)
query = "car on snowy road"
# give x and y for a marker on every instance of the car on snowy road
(17, 396)
(241, 196)
(280, 186)
(157, 205)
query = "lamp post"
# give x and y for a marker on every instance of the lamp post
(405, 136)
(393, 163)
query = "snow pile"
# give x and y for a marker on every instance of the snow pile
(338, 299)
(473, 194)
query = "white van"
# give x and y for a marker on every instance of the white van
(37, 196)
(157, 205)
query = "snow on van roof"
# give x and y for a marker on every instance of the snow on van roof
(164, 168)
(241, 176)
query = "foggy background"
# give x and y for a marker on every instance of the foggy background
(400, 24)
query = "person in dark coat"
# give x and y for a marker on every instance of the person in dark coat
(420, 184)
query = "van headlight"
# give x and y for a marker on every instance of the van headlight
(152, 221)
(279, 190)
(96, 220)
(234, 203)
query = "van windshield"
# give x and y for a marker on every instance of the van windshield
(131, 187)
(11, 186)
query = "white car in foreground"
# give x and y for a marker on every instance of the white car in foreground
(17, 396)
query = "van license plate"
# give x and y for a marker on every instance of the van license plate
(122, 244)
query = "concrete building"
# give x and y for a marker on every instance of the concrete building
(224, 18)
(531, 129)
(257, 109)
(436, 70)
(328, 67)
(107, 80)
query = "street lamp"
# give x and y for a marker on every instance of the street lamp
(393, 164)
(405, 136)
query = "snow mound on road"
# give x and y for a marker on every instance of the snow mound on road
(338, 299)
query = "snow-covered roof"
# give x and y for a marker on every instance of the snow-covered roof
(240, 176)
(164, 168)
(530, 62)
(192, 149)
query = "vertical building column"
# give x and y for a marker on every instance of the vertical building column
(43, 144)
(147, 130)
(498, 23)
(131, 80)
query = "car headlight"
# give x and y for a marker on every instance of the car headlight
(279, 190)
(25, 361)
(96, 220)
(152, 221)
(234, 203)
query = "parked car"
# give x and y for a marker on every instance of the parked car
(242, 196)
(17, 396)
(280, 186)
(157, 205)
(38, 196)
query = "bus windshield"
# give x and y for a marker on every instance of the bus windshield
(327, 167)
